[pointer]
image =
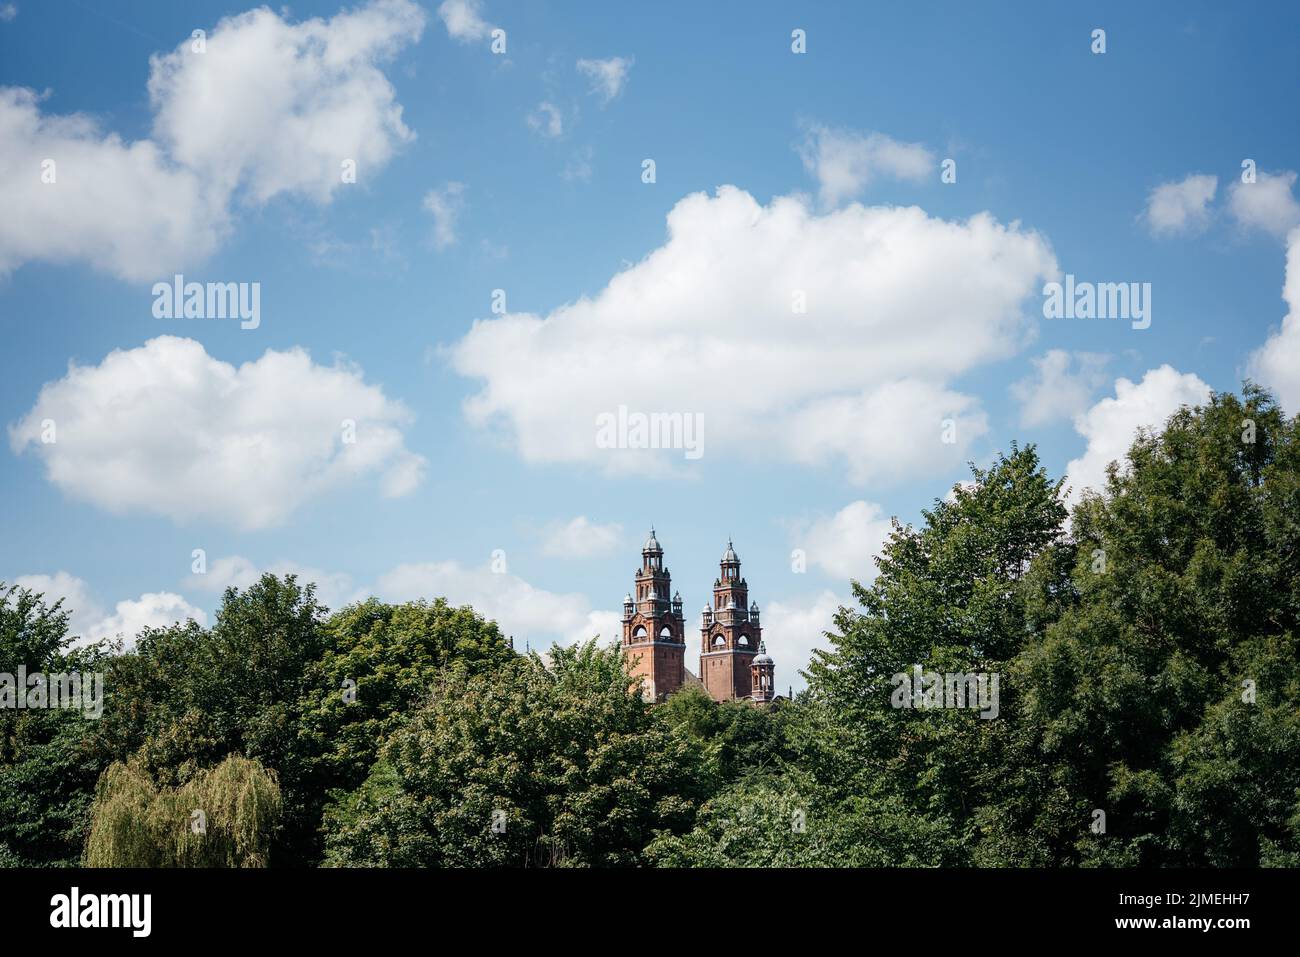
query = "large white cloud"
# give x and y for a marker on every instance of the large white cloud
(897, 303)
(268, 107)
(166, 428)
(89, 622)
(1111, 425)
(844, 163)
(278, 106)
(1276, 364)
(123, 208)
(1181, 207)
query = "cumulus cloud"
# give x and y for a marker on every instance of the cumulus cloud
(1181, 207)
(1276, 364)
(278, 106)
(88, 621)
(445, 205)
(268, 108)
(793, 630)
(607, 76)
(519, 608)
(1111, 425)
(1267, 203)
(581, 538)
(8, 12)
(711, 323)
(165, 428)
(844, 163)
(546, 120)
(846, 544)
(123, 208)
(464, 20)
(1061, 386)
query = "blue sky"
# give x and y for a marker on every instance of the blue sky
(1122, 166)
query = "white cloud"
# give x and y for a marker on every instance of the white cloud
(793, 630)
(1181, 207)
(844, 163)
(464, 20)
(151, 610)
(1061, 387)
(445, 205)
(1276, 364)
(8, 12)
(87, 620)
(581, 538)
(846, 544)
(1111, 425)
(546, 120)
(278, 106)
(1267, 203)
(333, 589)
(165, 428)
(84, 613)
(269, 108)
(607, 76)
(519, 608)
(123, 208)
(897, 304)
(887, 433)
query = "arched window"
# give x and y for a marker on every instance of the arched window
(640, 632)
(665, 632)
(744, 642)
(719, 641)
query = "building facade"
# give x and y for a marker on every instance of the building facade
(734, 664)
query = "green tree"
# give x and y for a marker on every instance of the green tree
(522, 765)
(47, 767)
(224, 816)
(1136, 701)
(961, 593)
(380, 663)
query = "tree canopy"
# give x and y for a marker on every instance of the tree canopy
(1148, 712)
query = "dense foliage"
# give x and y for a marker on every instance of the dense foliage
(1148, 709)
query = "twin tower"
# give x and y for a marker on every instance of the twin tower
(734, 664)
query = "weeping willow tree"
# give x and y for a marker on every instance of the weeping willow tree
(224, 817)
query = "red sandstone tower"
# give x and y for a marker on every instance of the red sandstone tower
(654, 631)
(730, 636)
